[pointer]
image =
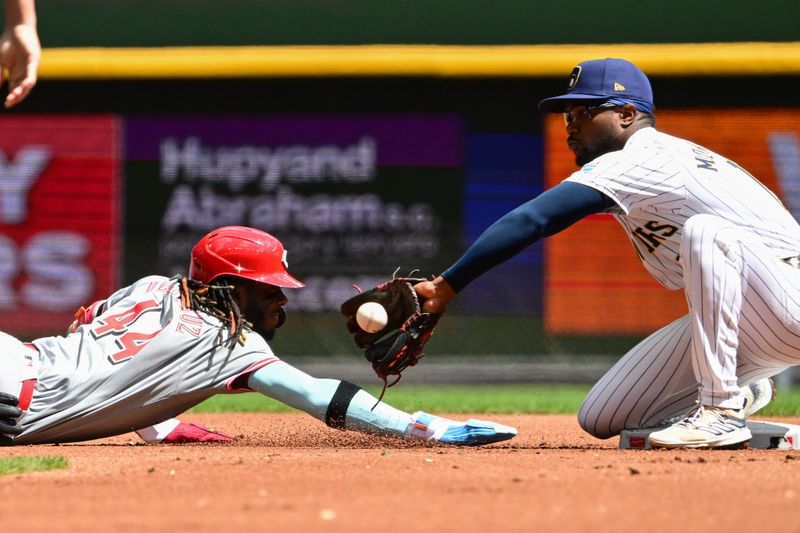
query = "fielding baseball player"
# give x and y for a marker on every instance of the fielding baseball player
(162, 345)
(698, 222)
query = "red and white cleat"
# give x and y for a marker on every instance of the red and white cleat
(188, 433)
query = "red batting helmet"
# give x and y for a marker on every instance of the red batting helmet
(245, 252)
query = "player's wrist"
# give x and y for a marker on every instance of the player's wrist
(443, 287)
(436, 294)
(20, 12)
(443, 291)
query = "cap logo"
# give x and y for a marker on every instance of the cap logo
(284, 261)
(618, 86)
(573, 78)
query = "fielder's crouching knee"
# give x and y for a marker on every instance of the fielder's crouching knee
(596, 426)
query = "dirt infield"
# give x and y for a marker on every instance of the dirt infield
(291, 473)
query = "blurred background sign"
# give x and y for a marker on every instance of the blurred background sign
(59, 218)
(352, 198)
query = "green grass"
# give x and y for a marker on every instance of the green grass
(20, 465)
(786, 403)
(517, 398)
(534, 398)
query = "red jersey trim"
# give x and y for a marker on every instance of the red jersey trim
(231, 384)
(26, 394)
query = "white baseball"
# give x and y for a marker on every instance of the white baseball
(371, 317)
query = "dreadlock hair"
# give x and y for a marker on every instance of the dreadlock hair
(215, 299)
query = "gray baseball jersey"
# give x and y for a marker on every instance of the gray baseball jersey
(699, 222)
(141, 361)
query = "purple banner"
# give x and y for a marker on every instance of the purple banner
(407, 140)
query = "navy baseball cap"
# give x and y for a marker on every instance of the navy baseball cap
(603, 80)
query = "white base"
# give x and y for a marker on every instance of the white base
(766, 436)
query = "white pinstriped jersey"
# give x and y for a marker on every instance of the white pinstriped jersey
(142, 361)
(659, 181)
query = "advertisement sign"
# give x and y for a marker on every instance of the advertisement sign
(59, 181)
(503, 171)
(352, 198)
(594, 281)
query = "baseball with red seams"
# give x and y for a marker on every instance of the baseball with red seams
(371, 317)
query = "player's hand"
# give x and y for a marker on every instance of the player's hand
(436, 294)
(9, 412)
(20, 52)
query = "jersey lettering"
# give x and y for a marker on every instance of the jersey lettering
(160, 286)
(705, 164)
(130, 343)
(191, 324)
(704, 158)
(192, 318)
(657, 234)
(115, 324)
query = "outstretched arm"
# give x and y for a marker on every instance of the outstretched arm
(545, 215)
(20, 50)
(344, 405)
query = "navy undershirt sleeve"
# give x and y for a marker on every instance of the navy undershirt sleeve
(545, 215)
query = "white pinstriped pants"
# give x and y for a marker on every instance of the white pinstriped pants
(743, 325)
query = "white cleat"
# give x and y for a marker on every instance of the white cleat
(705, 427)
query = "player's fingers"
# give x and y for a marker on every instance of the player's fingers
(19, 91)
(9, 427)
(425, 289)
(434, 305)
(8, 399)
(22, 80)
(436, 294)
(16, 95)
